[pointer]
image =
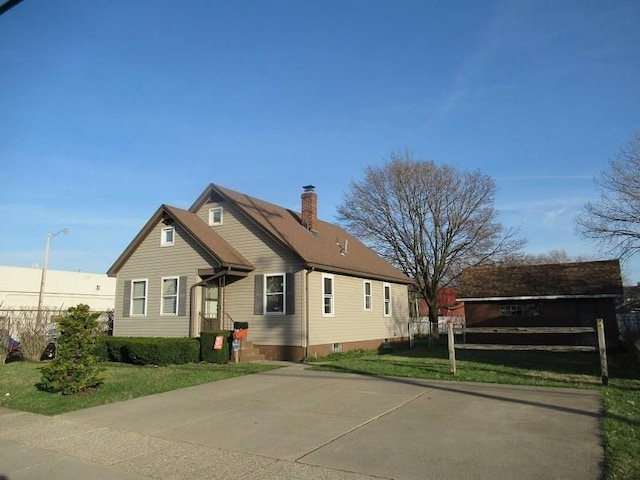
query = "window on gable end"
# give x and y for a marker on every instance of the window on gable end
(167, 237)
(215, 216)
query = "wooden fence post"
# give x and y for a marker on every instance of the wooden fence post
(604, 369)
(452, 348)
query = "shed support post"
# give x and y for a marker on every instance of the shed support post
(452, 348)
(604, 369)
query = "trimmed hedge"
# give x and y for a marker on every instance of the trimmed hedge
(101, 348)
(208, 354)
(149, 350)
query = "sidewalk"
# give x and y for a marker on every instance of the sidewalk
(296, 423)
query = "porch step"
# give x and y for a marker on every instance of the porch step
(249, 352)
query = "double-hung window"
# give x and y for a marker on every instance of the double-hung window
(139, 297)
(387, 299)
(367, 294)
(274, 288)
(167, 237)
(215, 216)
(169, 296)
(327, 296)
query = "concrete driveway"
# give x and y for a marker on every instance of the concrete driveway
(296, 423)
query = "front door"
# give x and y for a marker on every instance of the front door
(210, 307)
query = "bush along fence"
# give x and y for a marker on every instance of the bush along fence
(599, 330)
(165, 351)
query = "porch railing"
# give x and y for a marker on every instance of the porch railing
(212, 324)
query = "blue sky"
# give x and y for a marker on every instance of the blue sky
(110, 108)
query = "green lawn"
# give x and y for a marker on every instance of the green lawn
(621, 399)
(122, 381)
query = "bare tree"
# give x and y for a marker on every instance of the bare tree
(431, 221)
(614, 221)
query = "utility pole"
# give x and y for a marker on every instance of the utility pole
(50, 236)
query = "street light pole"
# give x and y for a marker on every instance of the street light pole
(50, 236)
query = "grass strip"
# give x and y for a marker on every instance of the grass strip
(18, 382)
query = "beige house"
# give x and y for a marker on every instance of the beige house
(304, 287)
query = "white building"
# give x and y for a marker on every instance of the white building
(20, 288)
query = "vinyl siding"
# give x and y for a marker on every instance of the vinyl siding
(351, 322)
(268, 257)
(152, 262)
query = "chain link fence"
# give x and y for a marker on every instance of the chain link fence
(35, 330)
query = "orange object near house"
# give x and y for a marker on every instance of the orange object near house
(240, 334)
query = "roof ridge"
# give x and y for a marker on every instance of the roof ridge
(314, 249)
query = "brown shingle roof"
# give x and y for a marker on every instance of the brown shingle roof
(318, 249)
(210, 240)
(601, 278)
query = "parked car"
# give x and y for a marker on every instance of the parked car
(14, 352)
(52, 333)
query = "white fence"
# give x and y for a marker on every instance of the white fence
(422, 327)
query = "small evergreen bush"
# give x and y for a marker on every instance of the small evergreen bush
(75, 367)
(208, 354)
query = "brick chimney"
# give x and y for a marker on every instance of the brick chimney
(309, 208)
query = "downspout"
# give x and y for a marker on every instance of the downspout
(191, 301)
(306, 309)
(222, 283)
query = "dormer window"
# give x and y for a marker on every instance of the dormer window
(167, 236)
(215, 216)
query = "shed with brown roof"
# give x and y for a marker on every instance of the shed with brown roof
(562, 294)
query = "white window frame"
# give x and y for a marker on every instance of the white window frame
(386, 301)
(145, 297)
(284, 293)
(212, 214)
(163, 296)
(163, 236)
(367, 296)
(330, 296)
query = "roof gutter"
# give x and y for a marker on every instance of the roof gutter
(535, 297)
(359, 274)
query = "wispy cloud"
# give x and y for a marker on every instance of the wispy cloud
(488, 46)
(545, 177)
(453, 99)
(551, 216)
(542, 205)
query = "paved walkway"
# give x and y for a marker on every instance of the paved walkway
(296, 423)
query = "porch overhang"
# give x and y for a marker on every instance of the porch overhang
(214, 273)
